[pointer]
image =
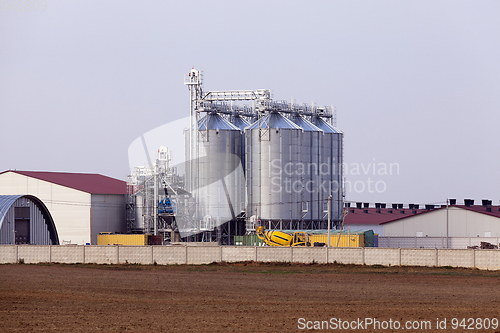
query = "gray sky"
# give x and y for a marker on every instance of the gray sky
(414, 82)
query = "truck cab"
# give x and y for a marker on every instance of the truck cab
(300, 239)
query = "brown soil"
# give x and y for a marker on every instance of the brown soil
(238, 297)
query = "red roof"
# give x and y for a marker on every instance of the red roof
(85, 182)
(376, 216)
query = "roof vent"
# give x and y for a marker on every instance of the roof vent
(366, 205)
(429, 207)
(416, 206)
(358, 205)
(486, 202)
(488, 209)
(348, 204)
(394, 206)
(453, 201)
(400, 206)
(378, 211)
(382, 205)
(365, 211)
(377, 204)
(411, 206)
(468, 202)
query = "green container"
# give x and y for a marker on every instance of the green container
(239, 240)
(253, 240)
(369, 238)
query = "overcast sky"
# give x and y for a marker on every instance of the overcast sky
(415, 83)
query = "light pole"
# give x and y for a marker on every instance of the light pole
(329, 200)
(447, 241)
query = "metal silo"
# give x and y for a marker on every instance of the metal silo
(331, 167)
(272, 155)
(215, 174)
(309, 171)
(241, 124)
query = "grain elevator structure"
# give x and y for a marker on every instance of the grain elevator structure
(251, 160)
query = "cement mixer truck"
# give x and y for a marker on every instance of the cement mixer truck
(279, 238)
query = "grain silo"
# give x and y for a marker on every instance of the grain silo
(273, 185)
(214, 177)
(331, 167)
(309, 171)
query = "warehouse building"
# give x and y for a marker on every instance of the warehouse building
(409, 226)
(81, 205)
(467, 220)
(363, 217)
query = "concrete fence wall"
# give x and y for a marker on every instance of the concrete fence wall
(172, 255)
(434, 242)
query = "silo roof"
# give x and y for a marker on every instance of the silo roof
(326, 127)
(240, 122)
(213, 121)
(274, 120)
(306, 125)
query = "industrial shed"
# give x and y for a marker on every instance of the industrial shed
(453, 221)
(81, 205)
(24, 219)
(364, 217)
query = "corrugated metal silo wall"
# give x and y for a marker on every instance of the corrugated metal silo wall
(272, 156)
(331, 176)
(309, 171)
(220, 185)
(39, 233)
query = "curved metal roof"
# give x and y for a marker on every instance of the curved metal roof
(326, 127)
(274, 120)
(214, 121)
(6, 202)
(306, 125)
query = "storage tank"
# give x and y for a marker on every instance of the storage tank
(214, 176)
(309, 171)
(272, 155)
(241, 123)
(331, 168)
(139, 212)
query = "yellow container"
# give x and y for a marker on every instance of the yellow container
(346, 240)
(114, 239)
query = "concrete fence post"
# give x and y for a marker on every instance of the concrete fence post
(220, 258)
(473, 258)
(291, 254)
(83, 255)
(326, 254)
(437, 257)
(362, 256)
(186, 254)
(152, 256)
(256, 254)
(50, 254)
(117, 254)
(17, 254)
(399, 254)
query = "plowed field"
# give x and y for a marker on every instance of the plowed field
(237, 297)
